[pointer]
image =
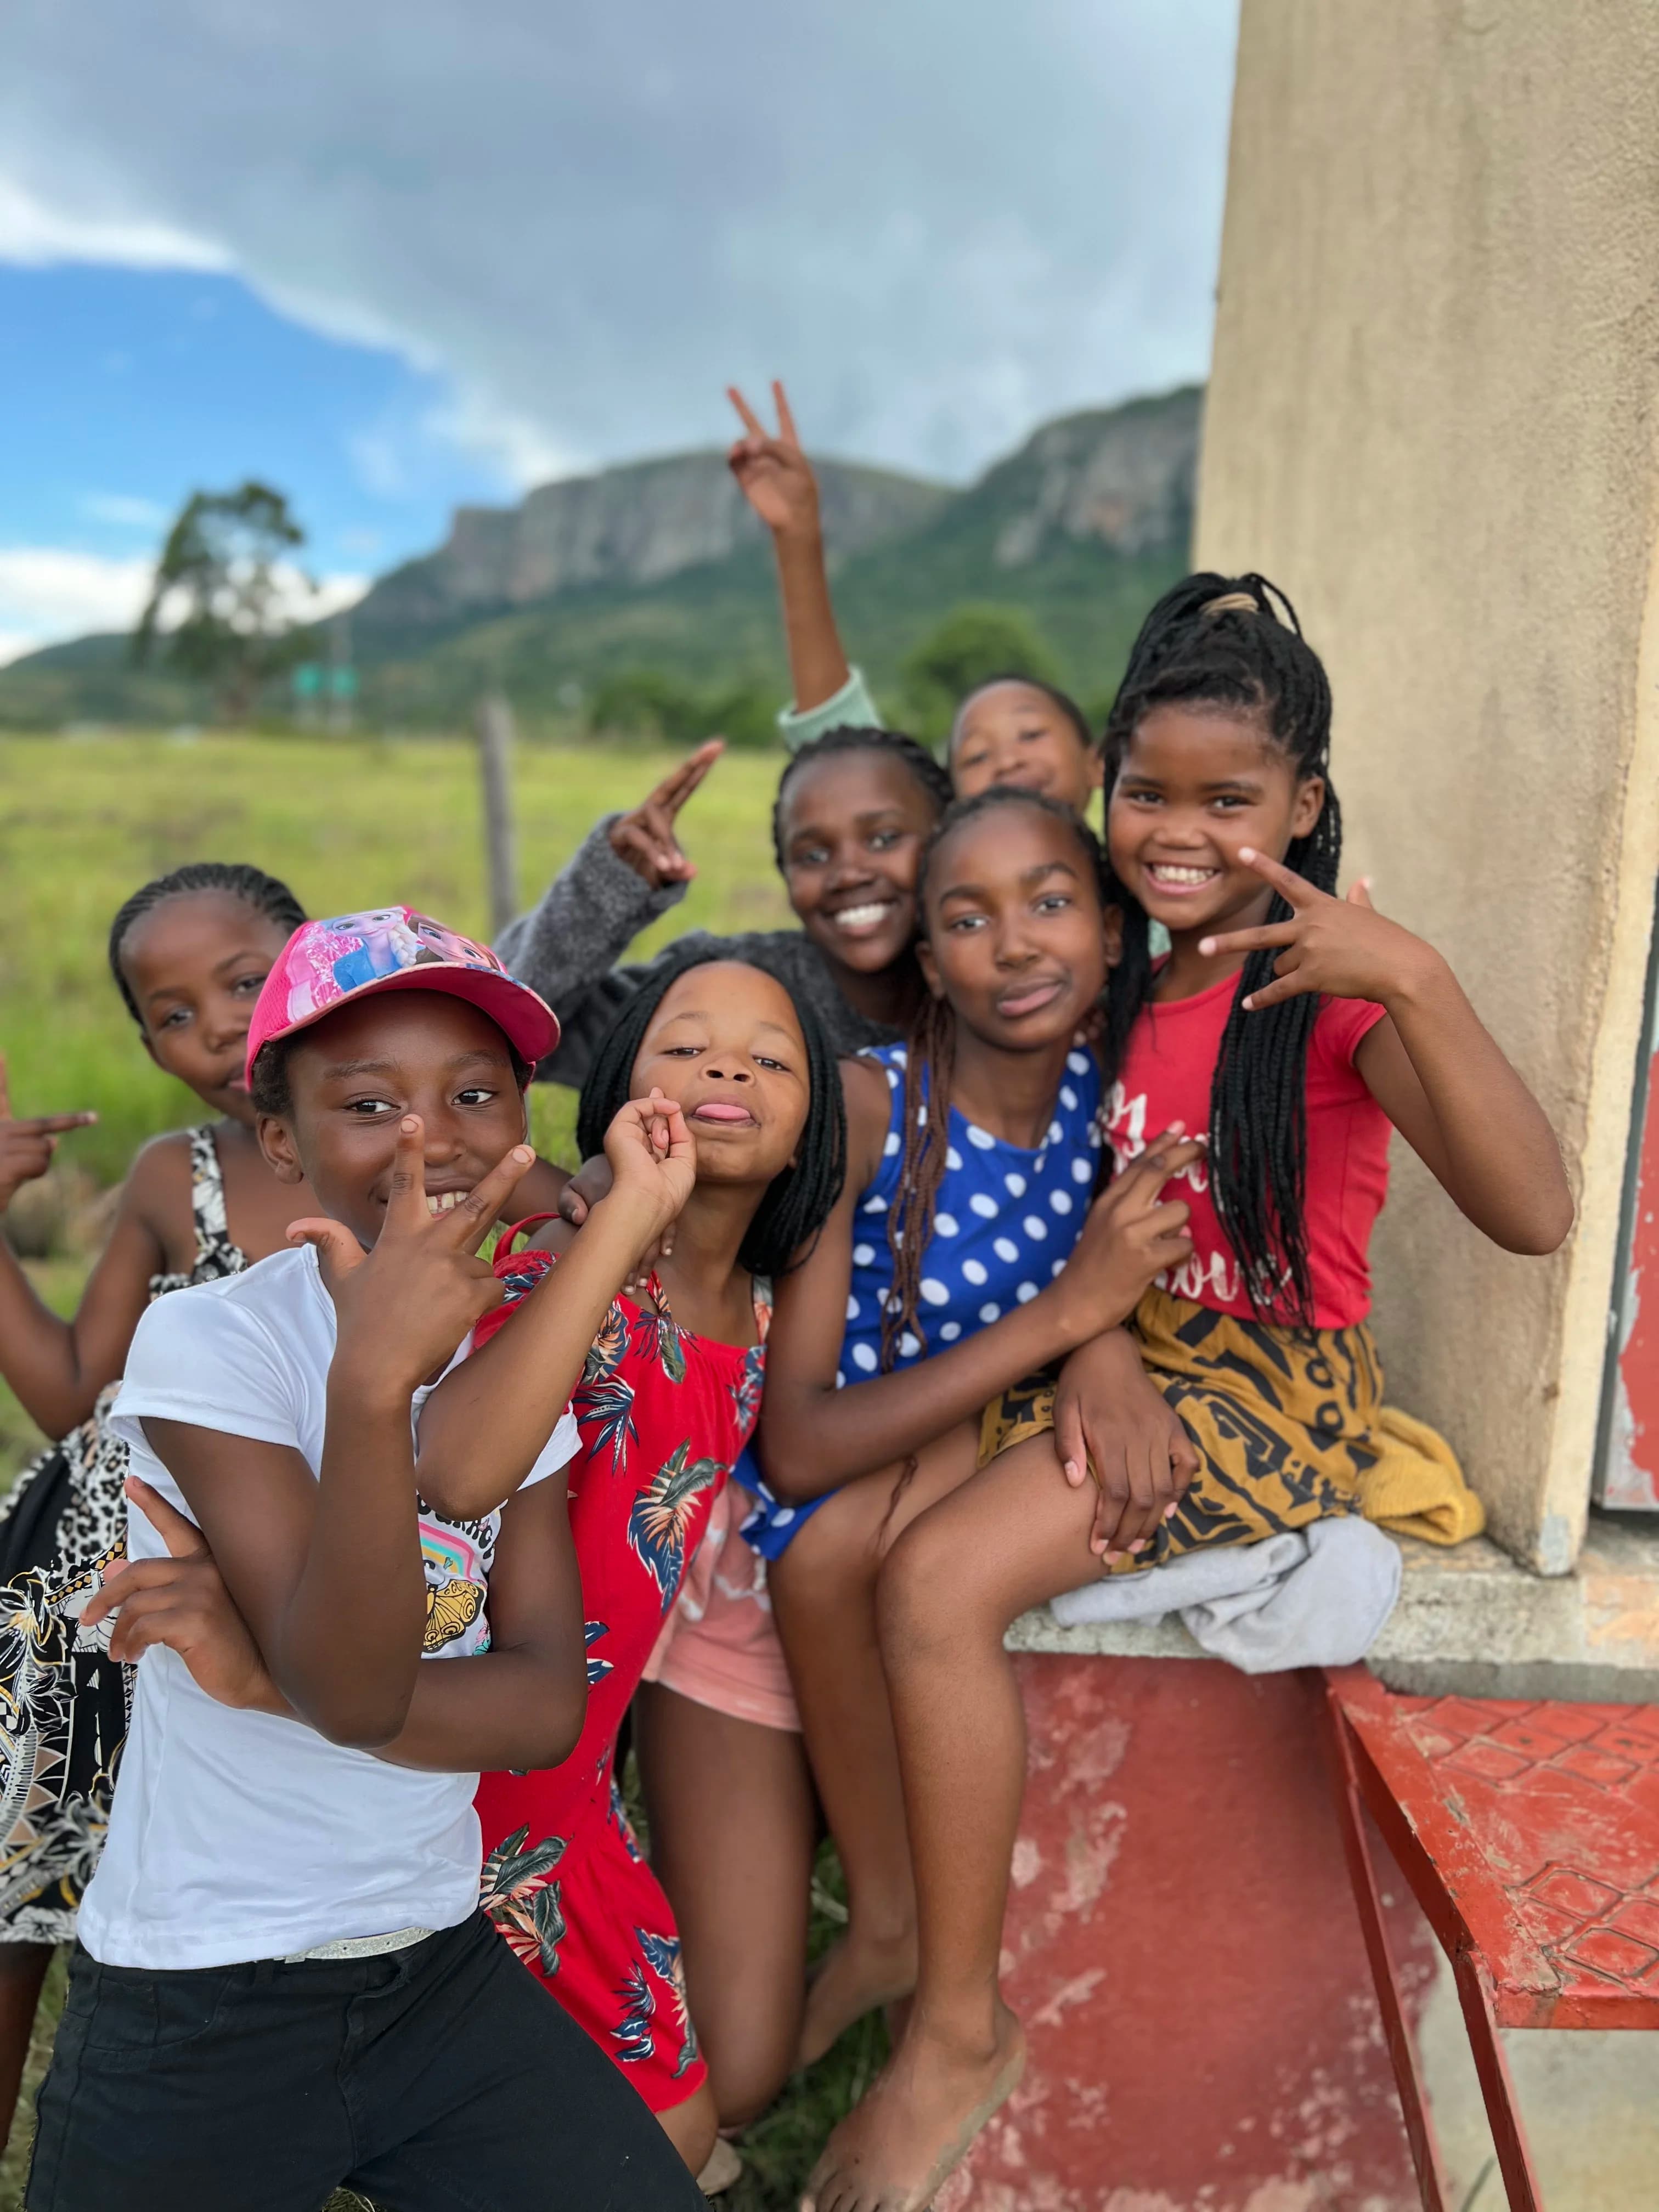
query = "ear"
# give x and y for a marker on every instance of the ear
(929, 967)
(277, 1143)
(1309, 806)
(1111, 930)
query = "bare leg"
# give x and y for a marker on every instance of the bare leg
(692, 2127)
(22, 1970)
(1011, 1538)
(733, 1829)
(823, 1598)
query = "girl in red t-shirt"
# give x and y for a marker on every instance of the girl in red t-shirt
(1299, 1030)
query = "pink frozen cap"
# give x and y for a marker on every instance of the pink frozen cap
(325, 965)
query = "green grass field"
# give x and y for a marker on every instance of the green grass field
(348, 823)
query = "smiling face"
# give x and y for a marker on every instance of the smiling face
(194, 966)
(1013, 733)
(1015, 935)
(852, 830)
(355, 1074)
(1197, 783)
(726, 1043)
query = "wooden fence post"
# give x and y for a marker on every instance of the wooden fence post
(494, 727)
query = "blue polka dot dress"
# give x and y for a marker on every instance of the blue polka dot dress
(1003, 1225)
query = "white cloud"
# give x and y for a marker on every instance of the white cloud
(47, 594)
(34, 234)
(123, 510)
(941, 220)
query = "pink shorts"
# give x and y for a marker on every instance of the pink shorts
(718, 1646)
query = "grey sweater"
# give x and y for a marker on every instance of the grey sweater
(567, 948)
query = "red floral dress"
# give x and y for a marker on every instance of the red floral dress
(663, 1415)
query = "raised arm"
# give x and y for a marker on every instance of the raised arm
(1431, 1065)
(483, 1427)
(327, 1573)
(813, 1435)
(776, 479)
(626, 873)
(58, 1367)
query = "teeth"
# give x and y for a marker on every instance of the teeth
(861, 917)
(445, 1201)
(1163, 873)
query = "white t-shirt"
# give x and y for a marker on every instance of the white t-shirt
(237, 1835)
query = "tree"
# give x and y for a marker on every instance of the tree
(221, 558)
(972, 646)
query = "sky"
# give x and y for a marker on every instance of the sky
(403, 254)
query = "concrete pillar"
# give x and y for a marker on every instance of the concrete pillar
(1431, 419)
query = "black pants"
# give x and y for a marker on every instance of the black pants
(443, 2078)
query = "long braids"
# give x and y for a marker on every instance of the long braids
(1235, 642)
(849, 737)
(929, 1065)
(797, 1202)
(266, 895)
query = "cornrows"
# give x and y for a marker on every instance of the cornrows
(797, 1202)
(1235, 642)
(929, 1065)
(847, 738)
(265, 894)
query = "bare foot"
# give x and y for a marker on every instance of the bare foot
(893, 2151)
(852, 1978)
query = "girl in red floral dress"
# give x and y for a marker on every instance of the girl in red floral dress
(669, 1399)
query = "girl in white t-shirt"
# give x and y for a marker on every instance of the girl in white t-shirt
(283, 1984)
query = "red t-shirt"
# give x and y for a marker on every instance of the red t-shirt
(1167, 1072)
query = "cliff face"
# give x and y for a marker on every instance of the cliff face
(1122, 477)
(635, 524)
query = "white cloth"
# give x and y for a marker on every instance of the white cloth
(1315, 1598)
(237, 1835)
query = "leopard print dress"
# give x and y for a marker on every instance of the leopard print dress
(64, 1701)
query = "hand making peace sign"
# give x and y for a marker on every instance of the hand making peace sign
(404, 1308)
(26, 1147)
(774, 474)
(646, 838)
(1343, 948)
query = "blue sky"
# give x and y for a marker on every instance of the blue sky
(414, 253)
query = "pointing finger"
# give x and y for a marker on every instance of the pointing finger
(477, 1214)
(406, 1203)
(1359, 894)
(751, 422)
(1296, 889)
(1249, 940)
(52, 1125)
(183, 1538)
(1284, 987)
(786, 420)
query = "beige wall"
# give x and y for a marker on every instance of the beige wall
(1431, 418)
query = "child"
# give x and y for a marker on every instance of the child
(1013, 730)
(669, 1399)
(964, 1253)
(285, 1983)
(853, 812)
(189, 953)
(1300, 1029)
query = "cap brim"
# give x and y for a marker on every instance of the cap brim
(526, 1020)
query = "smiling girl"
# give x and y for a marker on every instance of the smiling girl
(1300, 1029)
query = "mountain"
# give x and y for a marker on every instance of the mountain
(657, 571)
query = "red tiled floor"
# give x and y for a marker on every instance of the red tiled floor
(1573, 1894)
(1614, 1955)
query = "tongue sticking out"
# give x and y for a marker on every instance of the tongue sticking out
(720, 1109)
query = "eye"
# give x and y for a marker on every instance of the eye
(1054, 903)
(368, 1109)
(681, 1051)
(779, 1067)
(247, 986)
(475, 1094)
(963, 922)
(809, 856)
(883, 841)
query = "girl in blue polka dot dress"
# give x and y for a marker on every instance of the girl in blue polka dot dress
(969, 1251)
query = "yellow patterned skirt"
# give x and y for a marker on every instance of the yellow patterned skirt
(1290, 1428)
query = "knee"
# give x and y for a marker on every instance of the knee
(928, 1597)
(692, 2128)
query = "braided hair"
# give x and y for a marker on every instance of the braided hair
(929, 1065)
(845, 738)
(1235, 642)
(798, 1202)
(1061, 702)
(265, 894)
